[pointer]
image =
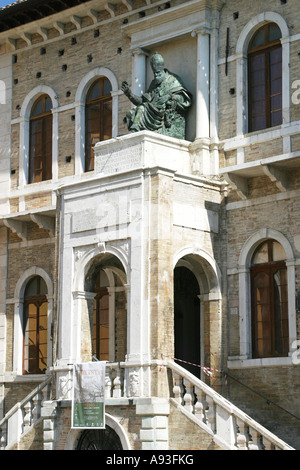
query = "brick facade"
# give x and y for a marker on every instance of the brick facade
(182, 216)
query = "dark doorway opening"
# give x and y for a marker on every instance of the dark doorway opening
(187, 319)
(99, 439)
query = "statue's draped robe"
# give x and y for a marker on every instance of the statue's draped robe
(167, 118)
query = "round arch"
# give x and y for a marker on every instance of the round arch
(27, 275)
(87, 259)
(88, 304)
(24, 131)
(18, 314)
(88, 80)
(256, 23)
(33, 95)
(201, 263)
(258, 237)
(244, 264)
(197, 296)
(241, 67)
(80, 99)
(111, 422)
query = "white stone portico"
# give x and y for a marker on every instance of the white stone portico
(110, 214)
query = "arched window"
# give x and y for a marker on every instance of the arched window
(98, 117)
(35, 321)
(269, 299)
(40, 140)
(265, 78)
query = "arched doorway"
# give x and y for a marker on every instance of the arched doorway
(197, 311)
(99, 439)
(187, 318)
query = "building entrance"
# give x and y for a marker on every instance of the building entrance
(99, 439)
(187, 319)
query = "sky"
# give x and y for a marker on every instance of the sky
(3, 3)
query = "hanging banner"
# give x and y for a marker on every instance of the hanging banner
(88, 407)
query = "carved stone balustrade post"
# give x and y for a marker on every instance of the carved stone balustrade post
(108, 384)
(3, 436)
(36, 412)
(189, 397)
(242, 435)
(267, 444)
(199, 406)
(254, 443)
(177, 388)
(27, 415)
(211, 413)
(117, 383)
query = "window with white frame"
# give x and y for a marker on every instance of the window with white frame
(267, 289)
(40, 140)
(263, 73)
(98, 117)
(269, 301)
(38, 155)
(33, 306)
(265, 78)
(96, 114)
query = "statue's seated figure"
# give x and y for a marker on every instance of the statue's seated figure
(163, 108)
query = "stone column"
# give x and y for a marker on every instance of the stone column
(201, 145)
(203, 84)
(139, 71)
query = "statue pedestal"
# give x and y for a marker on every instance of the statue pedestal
(142, 150)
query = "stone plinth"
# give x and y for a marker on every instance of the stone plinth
(141, 150)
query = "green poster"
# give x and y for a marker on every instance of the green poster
(88, 407)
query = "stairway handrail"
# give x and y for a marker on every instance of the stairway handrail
(228, 406)
(25, 400)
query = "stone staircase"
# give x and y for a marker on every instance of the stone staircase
(229, 427)
(24, 416)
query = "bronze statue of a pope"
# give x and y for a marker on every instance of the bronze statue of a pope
(163, 107)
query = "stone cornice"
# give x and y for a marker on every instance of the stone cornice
(188, 8)
(99, 11)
